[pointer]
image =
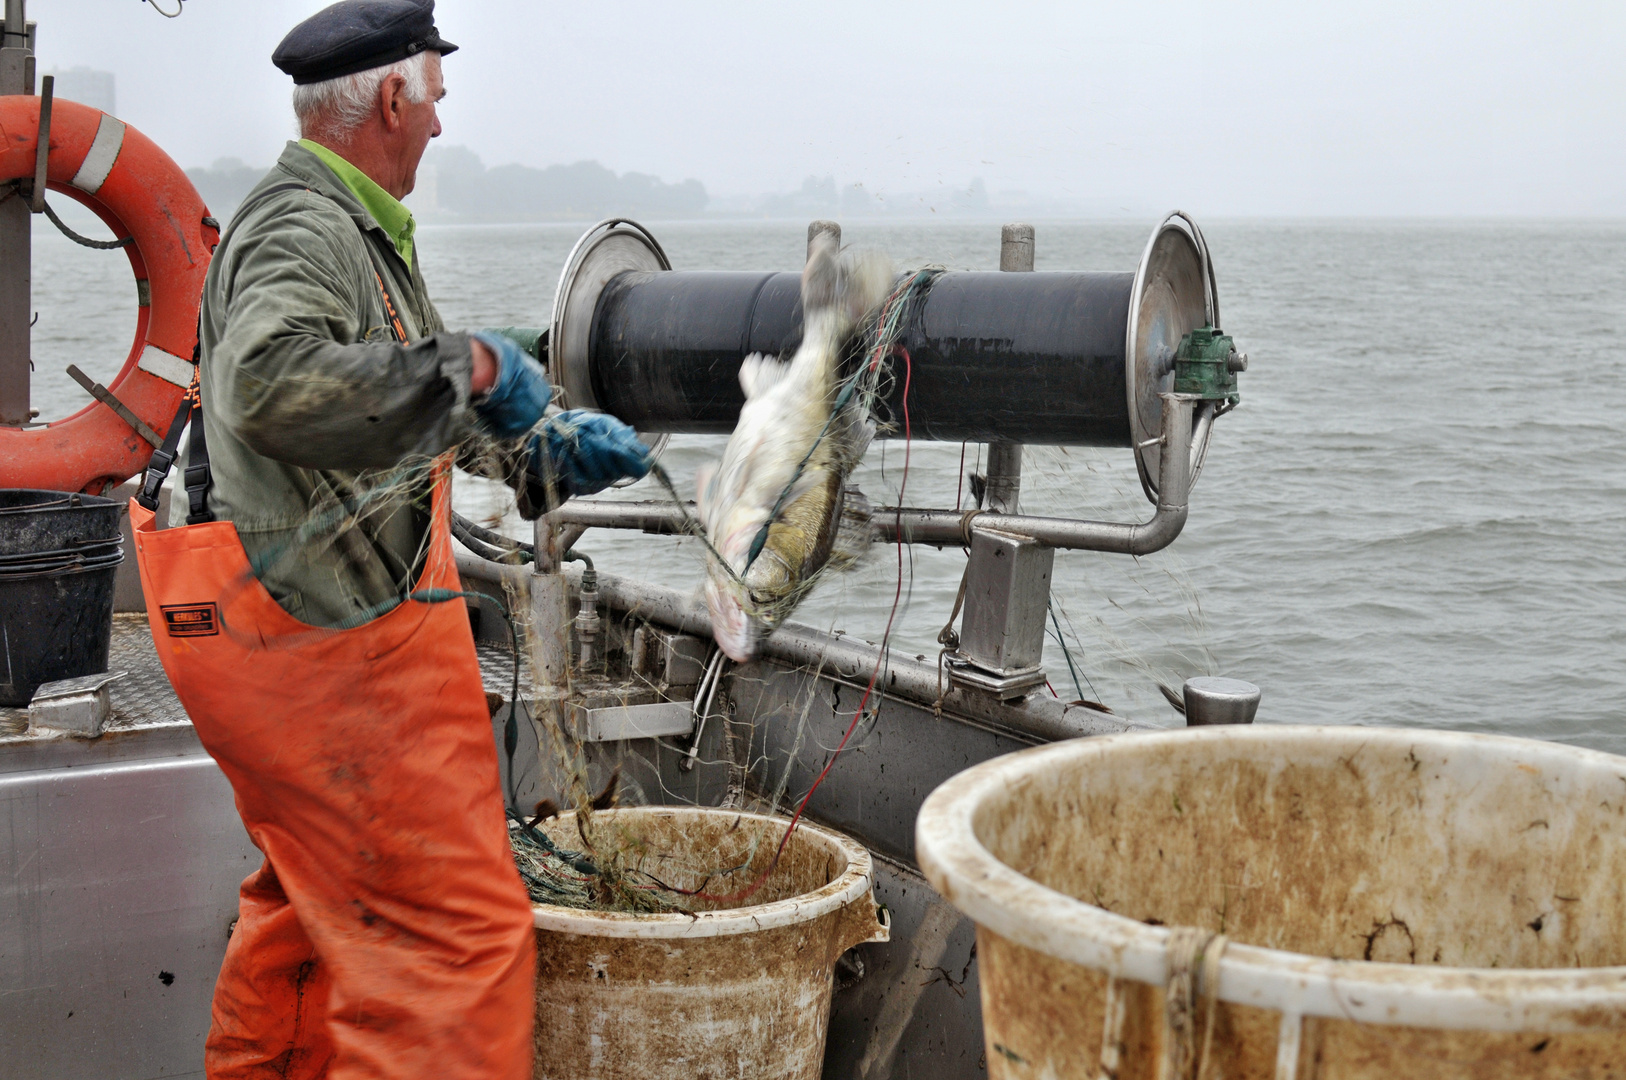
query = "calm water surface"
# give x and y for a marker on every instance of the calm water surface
(1415, 517)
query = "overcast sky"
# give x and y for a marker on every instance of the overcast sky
(1386, 107)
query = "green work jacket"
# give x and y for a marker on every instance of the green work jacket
(311, 403)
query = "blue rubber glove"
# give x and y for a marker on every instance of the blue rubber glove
(588, 451)
(520, 394)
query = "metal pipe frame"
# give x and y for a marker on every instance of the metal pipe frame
(1039, 718)
(940, 527)
(944, 527)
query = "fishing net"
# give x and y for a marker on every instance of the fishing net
(612, 867)
(1123, 631)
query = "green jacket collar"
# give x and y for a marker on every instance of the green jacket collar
(381, 209)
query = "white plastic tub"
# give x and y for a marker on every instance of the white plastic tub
(1394, 903)
(730, 991)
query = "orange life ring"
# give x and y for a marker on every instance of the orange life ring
(140, 192)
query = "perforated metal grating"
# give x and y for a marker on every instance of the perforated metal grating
(497, 670)
(144, 697)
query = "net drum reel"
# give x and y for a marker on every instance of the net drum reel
(1133, 359)
(1069, 358)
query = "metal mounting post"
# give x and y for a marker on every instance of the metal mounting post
(548, 641)
(16, 237)
(1213, 700)
(1007, 594)
(1016, 247)
(814, 228)
(1007, 583)
(1003, 483)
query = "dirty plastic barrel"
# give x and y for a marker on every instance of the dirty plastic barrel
(1292, 902)
(732, 990)
(59, 554)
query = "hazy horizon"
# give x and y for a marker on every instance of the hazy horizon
(1226, 110)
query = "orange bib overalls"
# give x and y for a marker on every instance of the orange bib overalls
(387, 933)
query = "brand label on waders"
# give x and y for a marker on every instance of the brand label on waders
(190, 620)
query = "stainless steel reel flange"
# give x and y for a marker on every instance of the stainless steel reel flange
(1173, 294)
(611, 247)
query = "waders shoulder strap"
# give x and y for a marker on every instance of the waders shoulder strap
(197, 473)
(163, 458)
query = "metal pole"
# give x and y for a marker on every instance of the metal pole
(549, 637)
(16, 240)
(946, 527)
(1005, 458)
(42, 148)
(13, 69)
(1004, 477)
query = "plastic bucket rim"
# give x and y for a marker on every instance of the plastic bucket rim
(848, 887)
(998, 897)
(63, 504)
(61, 567)
(75, 549)
(39, 521)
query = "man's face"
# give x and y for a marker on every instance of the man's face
(419, 121)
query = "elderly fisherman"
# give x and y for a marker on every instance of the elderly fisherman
(387, 932)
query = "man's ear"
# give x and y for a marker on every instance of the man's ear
(392, 101)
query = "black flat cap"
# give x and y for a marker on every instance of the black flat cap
(358, 35)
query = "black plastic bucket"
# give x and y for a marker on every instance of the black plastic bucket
(59, 553)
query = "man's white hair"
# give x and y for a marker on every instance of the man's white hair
(345, 103)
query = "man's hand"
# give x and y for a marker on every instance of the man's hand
(484, 376)
(519, 390)
(587, 452)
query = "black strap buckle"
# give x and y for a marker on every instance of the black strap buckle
(158, 468)
(163, 458)
(197, 493)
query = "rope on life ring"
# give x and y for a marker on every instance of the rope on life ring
(144, 197)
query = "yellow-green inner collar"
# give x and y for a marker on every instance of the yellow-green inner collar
(394, 218)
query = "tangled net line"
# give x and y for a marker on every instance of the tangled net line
(558, 875)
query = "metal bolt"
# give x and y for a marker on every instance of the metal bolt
(1236, 361)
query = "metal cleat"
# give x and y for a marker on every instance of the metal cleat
(78, 707)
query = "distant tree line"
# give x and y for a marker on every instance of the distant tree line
(820, 196)
(454, 185)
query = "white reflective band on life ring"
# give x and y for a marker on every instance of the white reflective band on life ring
(99, 159)
(172, 369)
